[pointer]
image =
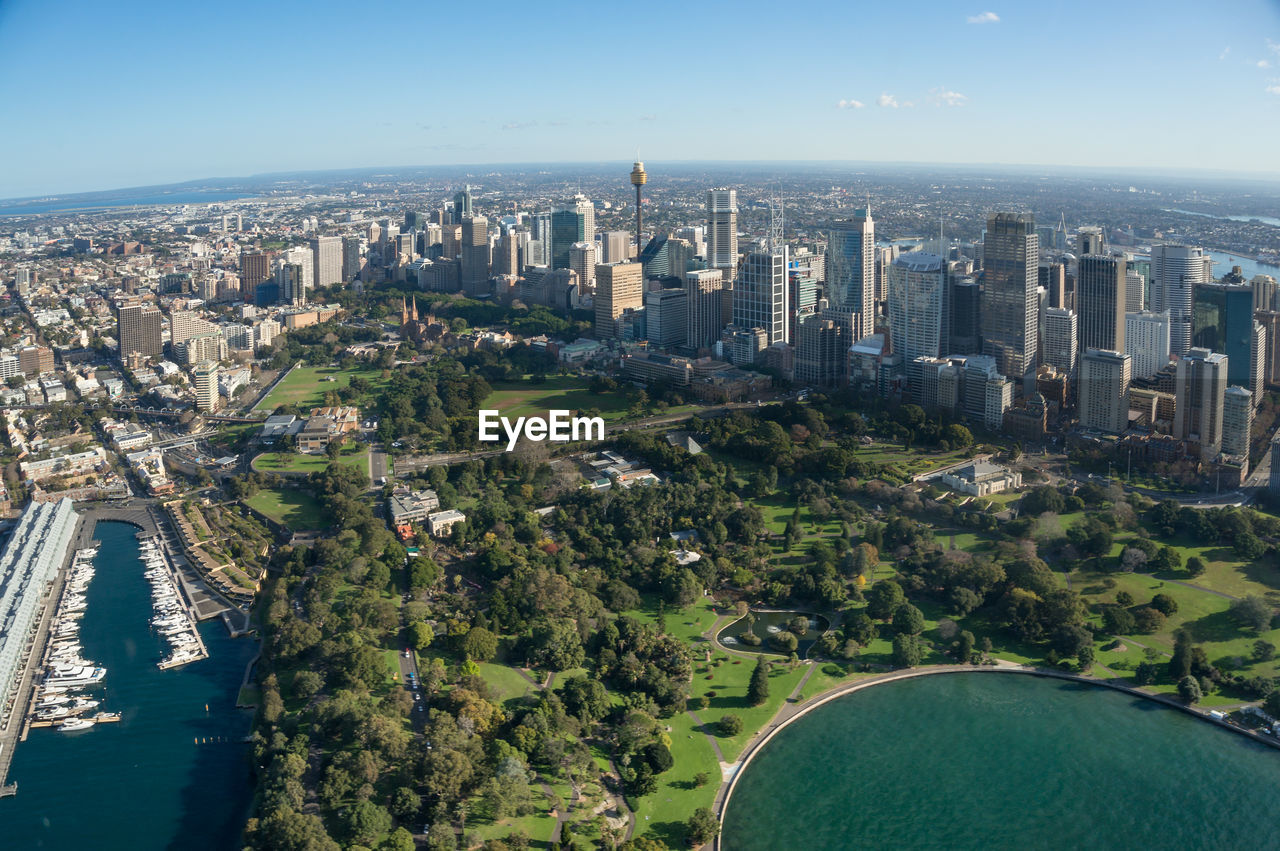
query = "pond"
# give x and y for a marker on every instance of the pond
(765, 632)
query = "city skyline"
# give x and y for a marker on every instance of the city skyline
(158, 122)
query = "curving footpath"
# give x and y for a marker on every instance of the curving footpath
(790, 712)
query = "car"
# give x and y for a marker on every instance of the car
(419, 707)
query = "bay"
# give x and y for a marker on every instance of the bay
(172, 774)
(983, 761)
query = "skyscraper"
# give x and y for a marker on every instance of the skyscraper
(350, 258)
(1100, 300)
(918, 317)
(1090, 240)
(302, 257)
(507, 260)
(1200, 386)
(205, 374)
(760, 294)
(326, 260)
(1222, 321)
(667, 317)
(255, 267)
(851, 270)
(619, 286)
(1104, 391)
(475, 255)
(1010, 305)
(461, 205)
(615, 246)
(139, 330)
(1060, 336)
(722, 232)
(574, 222)
(965, 296)
(582, 259)
(703, 287)
(1237, 421)
(1175, 271)
(1146, 339)
(822, 351)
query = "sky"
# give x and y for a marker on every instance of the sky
(97, 96)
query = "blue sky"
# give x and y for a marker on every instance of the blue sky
(96, 96)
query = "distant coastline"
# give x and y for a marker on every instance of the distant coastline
(110, 201)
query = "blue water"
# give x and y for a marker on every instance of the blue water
(1003, 761)
(170, 775)
(1222, 263)
(1266, 220)
(167, 199)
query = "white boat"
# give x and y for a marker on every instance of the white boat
(77, 676)
(54, 713)
(50, 701)
(74, 724)
(83, 704)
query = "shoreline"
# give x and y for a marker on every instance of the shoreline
(766, 733)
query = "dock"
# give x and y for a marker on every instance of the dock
(100, 718)
(191, 603)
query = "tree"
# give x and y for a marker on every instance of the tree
(758, 688)
(1085, 657)
(1148, 620)
(1164, 604)
(729, 725)
(1196, 566)
(1146, 673)
(366, 821)
(884, 598)
(421, 635)
(585, 698)
(1263, 651)
(702, 827)
(1124, 598)
(479, 644)
(906, 650)
(1189, 689)
(1180, 662)
(908, 619)
(965, 645)
(1251, 612)
(1272, 704)
(963, 600)
(1117, 620)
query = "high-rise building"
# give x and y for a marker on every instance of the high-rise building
(1146, 340)
(1060, 338)
(462, 205)
(680, 256)
(703, 287)
(1053, 278)
(722, 232)
(350, 258)
(1259, 358)
(1090, 240)
(966, 316)
(615, 246)
(507, 259)
(1200, 385)
(851, 270)
(574, 222)
(475, 255)
(36, 360)
(1135, 289)
(1175, 272)
(326, 257)
(619, 287)
(185, 324)
(822, 351)
(1222, 321)
(140, 330)
(1237, 421)
(1010, 304)
(918, 315)
(1100, 301)
(1104, 391)
(291, 278)
(1264, 292)
(255, 267)
(696, 236)
(760, 294)
(205, 374)
(582, 259)
(667, 317)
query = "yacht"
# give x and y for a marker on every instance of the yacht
(54, 713)
(70, 726)
(75, 676)
(52, 700)
(82, 704)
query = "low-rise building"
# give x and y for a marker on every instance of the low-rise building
(407, 506)
(982, 478)
(440, 523)
(148, 466)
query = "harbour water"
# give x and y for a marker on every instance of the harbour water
(172, 774)
(1222, 263)
(106, 201)
(981, 761)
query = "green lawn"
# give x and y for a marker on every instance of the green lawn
(294, 508)
(564, 392)
(306, 386)
(505, 681)
(354, 455)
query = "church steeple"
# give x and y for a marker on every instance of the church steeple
(413, 313)
(404, 311)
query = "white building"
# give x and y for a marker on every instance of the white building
(918, 315)
(1146, 341)
(326, 257)
(1104, 390)
(1175, 271)
(722, 231)
(1060, 337)
(439, 524)
(1201, 386)
(1237, 421)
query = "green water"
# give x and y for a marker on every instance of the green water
(994, 761)
(170, 775)
(767, 624)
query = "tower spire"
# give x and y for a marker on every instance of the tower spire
(638, 179)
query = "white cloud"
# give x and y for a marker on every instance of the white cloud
(984, 18)
(1262, 63)
(1273, 90)
(1273, 46)
(945, 97)
(1226, 51)
(887, 100)
(851, 104)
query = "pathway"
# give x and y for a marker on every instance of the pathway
(706, 731)
(1145, 647)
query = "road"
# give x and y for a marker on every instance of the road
(377, 465)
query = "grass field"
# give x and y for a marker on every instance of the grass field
(354, 455)
(306, 386)
(560, 392)
(294, 508)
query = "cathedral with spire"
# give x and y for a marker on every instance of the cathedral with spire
(426, 329)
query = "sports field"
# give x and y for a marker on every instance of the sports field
(306, 386)
(560, 393)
